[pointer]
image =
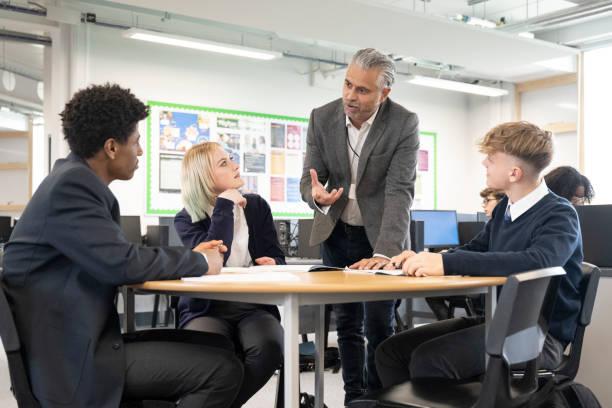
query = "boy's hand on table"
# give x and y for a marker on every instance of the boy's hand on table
(397, 261)
(424, 264)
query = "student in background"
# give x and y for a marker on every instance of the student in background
(65, 260)
(216, 210)
(490, 199)
(531, 229)
(567, 182)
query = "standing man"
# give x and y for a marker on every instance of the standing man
(359, 176)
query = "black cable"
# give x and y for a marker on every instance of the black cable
(348, 140)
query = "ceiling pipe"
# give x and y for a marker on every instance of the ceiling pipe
(570, 16)
(7, 35)
(24, 10)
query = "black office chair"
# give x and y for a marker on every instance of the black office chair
(167, 312)
(588, 291)
(571, 361)
(443, 311)
(523, 302)
(20, 384)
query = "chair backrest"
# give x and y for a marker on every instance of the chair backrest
(20, 385)
(516, 335)
(588, 292)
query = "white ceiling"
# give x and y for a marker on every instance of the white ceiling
(512, 10)
(411, 28)
(394, 28)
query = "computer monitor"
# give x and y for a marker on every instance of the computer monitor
(440, 227)
(283, 233)
(157, 236)
(482, 217)
(466, 217)
(417, 232)
(468, 230)
(130, 224)
(304, 248)
(596, 227)
(173, 238)
(5, 228)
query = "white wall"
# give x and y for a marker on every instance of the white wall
(558, 104)
(483, 114)
(13, 150)
(280, 87)
(597, 346)
(597, 129)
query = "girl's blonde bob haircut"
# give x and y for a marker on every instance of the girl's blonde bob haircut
(197, 181)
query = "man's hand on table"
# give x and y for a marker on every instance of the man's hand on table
(376, 262)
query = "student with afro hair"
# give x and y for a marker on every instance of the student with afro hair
(65, 260)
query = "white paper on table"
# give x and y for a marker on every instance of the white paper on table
(278, 268)
(236, 269)
(246, 277)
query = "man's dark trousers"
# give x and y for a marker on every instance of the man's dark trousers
(346, 245)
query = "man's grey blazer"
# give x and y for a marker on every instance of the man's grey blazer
(385, 175)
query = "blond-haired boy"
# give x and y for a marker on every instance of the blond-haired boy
(531, 228)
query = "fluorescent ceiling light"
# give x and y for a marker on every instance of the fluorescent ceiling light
(456, 86)
(527, 34)
(590, 39)
(202, 45)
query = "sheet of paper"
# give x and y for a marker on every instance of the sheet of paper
(281, 268)
(272, 268)
(246, 277)
(236, 269)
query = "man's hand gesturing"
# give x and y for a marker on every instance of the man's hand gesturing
(319, 194)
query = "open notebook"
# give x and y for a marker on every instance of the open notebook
(305, 268)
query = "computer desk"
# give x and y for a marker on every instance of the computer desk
(293, 289)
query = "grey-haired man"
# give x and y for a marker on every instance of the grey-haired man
(359, 176)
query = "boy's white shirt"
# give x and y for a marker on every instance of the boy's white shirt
(521, 206)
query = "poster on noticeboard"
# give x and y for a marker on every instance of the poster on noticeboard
(425, 188)
(269, 149)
